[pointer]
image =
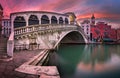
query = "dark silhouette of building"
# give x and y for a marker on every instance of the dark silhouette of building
(1, 15)
(93, 20)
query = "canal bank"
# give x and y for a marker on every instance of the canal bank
(7, 68)
(35, 66)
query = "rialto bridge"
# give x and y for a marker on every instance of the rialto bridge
(43, 30)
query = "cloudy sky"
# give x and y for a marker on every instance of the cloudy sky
(104, 10)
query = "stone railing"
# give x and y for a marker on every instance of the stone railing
(10, 45)
(34, 28)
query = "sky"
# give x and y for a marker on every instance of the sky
(104, 10)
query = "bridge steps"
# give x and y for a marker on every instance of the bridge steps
(30, 67)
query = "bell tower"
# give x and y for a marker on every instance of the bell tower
(1, 15)
(93, 19)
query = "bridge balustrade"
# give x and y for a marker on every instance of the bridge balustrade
(28, 29)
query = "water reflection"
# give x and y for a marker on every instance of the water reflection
(87, 61)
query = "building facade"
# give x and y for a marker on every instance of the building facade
(6, 27)
(86, 28)
(103, 32)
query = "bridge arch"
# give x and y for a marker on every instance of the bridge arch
(72, 36)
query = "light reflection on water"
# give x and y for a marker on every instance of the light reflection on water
(87, 61)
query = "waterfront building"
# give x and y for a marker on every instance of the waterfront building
(106, 32)
(6, 27)
(101, 31)
(86, 28)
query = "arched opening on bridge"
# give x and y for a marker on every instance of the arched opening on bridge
(60, 20)
(66, 21)
(33, 20)
(44, 19)
(54, 20)
(73, 37)
(19, 22)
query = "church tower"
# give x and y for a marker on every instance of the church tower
(93, 19)
(1, 15)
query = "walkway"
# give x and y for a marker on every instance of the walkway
(7, 69)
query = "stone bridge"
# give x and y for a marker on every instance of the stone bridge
(47, 36)
(43, 30)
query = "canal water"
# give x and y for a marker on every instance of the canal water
(87, 61)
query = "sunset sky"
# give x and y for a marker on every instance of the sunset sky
(104, 10)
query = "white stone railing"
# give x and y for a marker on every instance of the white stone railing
(34, 28)
(10, 45)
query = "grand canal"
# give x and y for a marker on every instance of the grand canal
(87, 61)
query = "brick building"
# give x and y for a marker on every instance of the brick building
(106, 32)
(101, 31)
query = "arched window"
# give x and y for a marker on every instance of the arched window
(66, 21)
(33, 20)
(53, 20)
(60, 20)
(19, 22)
(44, 19)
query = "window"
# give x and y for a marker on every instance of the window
(44, 19)
(33, 20)
(54, 20)
(19, 22)
(60, 20)
(66, 21)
